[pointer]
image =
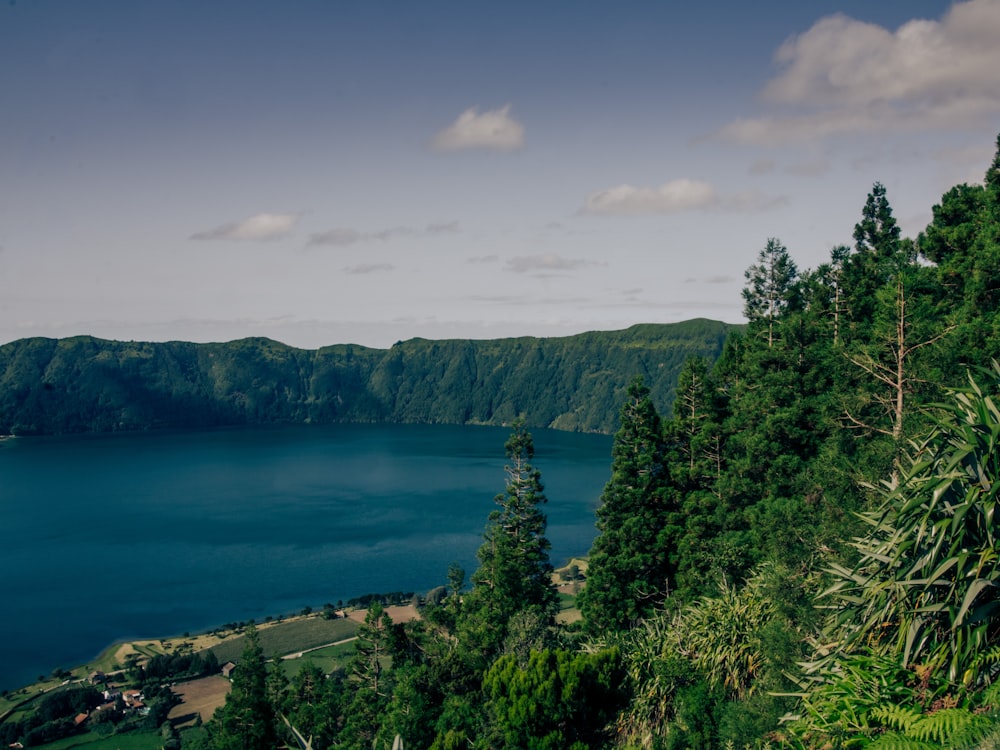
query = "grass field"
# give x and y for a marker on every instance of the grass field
(126, 741)
(328, 659)
(289, 637)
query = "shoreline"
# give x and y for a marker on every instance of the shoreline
(112, 657)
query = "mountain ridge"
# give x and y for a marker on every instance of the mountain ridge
(83, 384)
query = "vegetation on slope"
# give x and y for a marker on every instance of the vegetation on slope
(816, 564)
(83, 384)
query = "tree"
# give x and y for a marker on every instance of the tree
(247, 721)
(558, 700)
(876, 258)
(630, 567)
(514, 571)
(370, 684)
(770, 282)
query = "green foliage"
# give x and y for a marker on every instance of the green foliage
(556, 700)
(83, 384)
(247, 721)
(514, 573)
(691, 672)
(770, 286)
(630, 566)
(928, 572)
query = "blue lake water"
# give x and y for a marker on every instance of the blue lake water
(117, 537)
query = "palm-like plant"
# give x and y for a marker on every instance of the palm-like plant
(926, 586)
(717, 640)
(911, 652)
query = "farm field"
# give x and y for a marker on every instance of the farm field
(290, 636)
(198, 698)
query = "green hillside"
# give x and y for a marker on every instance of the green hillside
(84, 384)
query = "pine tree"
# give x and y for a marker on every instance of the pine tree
(630, 567)
(370, 681)
(247, 721)
(769, 284)
(514, 573)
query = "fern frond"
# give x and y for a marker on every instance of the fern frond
(896, 741)
(897, 717)
(952, 727)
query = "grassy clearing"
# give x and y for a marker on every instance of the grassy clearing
(125, 741)
(328, 659)
(19, 702)
(568, 611)
(298, 634)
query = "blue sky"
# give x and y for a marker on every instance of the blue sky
(327, 172)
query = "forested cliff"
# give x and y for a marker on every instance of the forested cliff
(84, 384)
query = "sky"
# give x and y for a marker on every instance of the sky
(332, 171)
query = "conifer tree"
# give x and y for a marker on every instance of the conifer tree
(247, 721)
(630, 567)
(769, 284)
(371, 680)
(514, 573)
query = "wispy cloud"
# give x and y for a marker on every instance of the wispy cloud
(344, 236)
(671, 197)
(258, 228)
(847, 76)
(548, 263)
(484, 259)
(676, 196)
(365, 268)
(494, 129)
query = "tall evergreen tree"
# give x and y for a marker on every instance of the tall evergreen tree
(514, 573)
(371, 679)
(770, 282)
(247, 721)
(630, 569)
(876, 258)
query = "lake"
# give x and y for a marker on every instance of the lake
(117, 537)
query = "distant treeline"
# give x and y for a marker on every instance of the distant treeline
(85, 384)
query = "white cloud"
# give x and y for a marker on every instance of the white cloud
(675, 196)
(258, 228)
(494, 129)
(845, 76)
(544, 263)
(671, 197)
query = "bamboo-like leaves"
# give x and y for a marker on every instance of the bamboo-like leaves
(926, 586)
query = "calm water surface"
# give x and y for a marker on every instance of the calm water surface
(119, 537)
